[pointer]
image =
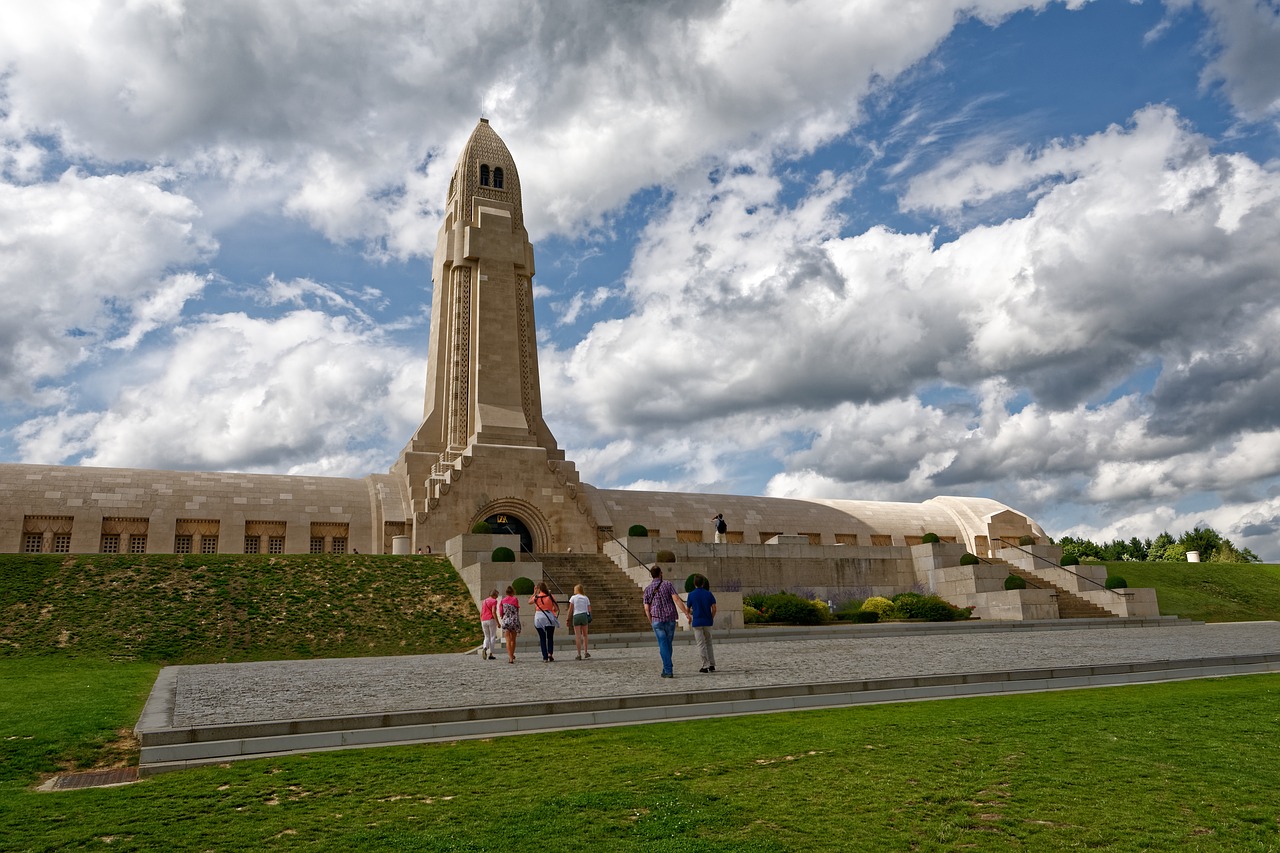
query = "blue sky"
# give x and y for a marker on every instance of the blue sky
(1024, 250)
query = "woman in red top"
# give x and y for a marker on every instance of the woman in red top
(489, 624)
(545, 620)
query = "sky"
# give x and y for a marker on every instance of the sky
(877, 249)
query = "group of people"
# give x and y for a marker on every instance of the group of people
(504, 615)
(661, 603)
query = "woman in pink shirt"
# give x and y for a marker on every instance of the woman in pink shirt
(489, 624)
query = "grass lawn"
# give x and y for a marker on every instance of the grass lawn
(1209, 592)
(1192, 765)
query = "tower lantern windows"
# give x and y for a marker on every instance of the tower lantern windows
(491, 177)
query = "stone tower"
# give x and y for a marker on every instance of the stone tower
(483, 450)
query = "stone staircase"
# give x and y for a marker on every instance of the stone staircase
(1070, 605)
(616, 601)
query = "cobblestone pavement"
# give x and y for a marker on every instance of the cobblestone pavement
(286, 690)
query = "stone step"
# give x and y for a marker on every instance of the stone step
(1070, 605)
(616, 604)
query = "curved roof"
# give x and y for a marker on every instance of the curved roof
(485, 147)
(672, 512)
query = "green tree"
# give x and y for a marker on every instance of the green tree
(1155, 551)
(1229, 553)
(1206, 540)
(1081, 548)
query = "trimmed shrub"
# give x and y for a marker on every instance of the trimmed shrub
(1026, 540)
(879, 605)
(522, 586)
(930, 608)
(665, 556)
(1014, 582)
(1116, 582)
(750, 615)
(823, 610)
(934, 609)
(639, 531)
(929, 539)
(481, 527)
(784, 607)
(1070, 560)
(906, 605)
(790, 608)
(689, 582)
(967, 559)
(503, 554)
(864, 617)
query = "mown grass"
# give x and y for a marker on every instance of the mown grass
(1209, 592)
(1189, 765)
(59, 714)
(209, 608)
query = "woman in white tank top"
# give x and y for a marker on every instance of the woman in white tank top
(579, 619)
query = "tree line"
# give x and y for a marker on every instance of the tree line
(1212, 545)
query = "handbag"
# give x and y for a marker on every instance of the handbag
(548, 614)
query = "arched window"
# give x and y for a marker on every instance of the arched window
(484, 176)
(497, 177)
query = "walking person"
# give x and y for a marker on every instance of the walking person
(489, 624)
(579, 619)
(721, 528)
(702, 606)
(509, 607)
(545, 620)
(660, 603)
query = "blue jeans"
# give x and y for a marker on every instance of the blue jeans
(546, 641)
(666, 633)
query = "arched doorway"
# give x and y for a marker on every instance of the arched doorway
(505, 522)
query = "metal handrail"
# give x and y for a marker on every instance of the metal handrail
(1032, 584)
(629, 551)
(1035, 556)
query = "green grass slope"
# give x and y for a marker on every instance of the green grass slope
(208, 608)
(1209, 592)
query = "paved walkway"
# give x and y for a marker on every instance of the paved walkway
(233, 703)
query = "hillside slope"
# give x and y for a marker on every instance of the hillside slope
(206, 608)
(1209, 592)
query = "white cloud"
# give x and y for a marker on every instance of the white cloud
(1247, 63)
(305, 393)
(340, 113)
(83, 258)
(760, 329)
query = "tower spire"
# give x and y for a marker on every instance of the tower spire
(482, 369)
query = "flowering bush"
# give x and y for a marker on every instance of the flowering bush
(879, 605)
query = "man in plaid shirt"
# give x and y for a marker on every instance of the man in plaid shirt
(660, 603)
